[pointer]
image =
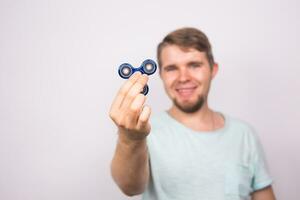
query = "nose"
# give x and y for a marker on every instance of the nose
(183, 75)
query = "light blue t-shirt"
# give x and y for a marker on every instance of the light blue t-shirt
(226, 164)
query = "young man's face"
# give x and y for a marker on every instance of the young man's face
(186, 75)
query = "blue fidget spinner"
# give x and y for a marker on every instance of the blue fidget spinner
(148, 67)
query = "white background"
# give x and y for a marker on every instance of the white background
(58, 76)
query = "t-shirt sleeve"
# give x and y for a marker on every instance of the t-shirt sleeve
(261, 177)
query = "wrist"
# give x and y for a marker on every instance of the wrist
(131, 142)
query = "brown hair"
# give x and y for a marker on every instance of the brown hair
(187, 38)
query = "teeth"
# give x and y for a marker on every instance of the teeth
(185, 89)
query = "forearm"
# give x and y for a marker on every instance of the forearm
(130, 166)
(264, 194)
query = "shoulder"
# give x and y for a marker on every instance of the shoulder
(159, 120)
(241, 126)
(163, 127)
(239, 123)
(242, 131)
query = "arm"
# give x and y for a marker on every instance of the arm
(129, 166)
(263, 194)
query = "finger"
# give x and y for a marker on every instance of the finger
(123, 91)
(143, 120)
(134, 91)
(134, 111)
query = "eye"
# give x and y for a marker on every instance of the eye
(195, 65)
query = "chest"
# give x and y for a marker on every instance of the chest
(190, 166)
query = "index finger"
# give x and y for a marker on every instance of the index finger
(124, 89)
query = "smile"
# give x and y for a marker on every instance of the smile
(186, 91)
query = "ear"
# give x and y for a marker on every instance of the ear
(215, 70)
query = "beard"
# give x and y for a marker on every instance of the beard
(190, 108)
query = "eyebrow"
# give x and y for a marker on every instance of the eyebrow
(188, 64)
(169, 66)
(195, 62)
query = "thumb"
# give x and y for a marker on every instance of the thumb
(143, 120)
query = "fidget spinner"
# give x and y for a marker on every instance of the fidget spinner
(148, 67)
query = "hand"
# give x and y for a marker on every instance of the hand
(128, 111)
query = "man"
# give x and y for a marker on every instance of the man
(189, 151)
